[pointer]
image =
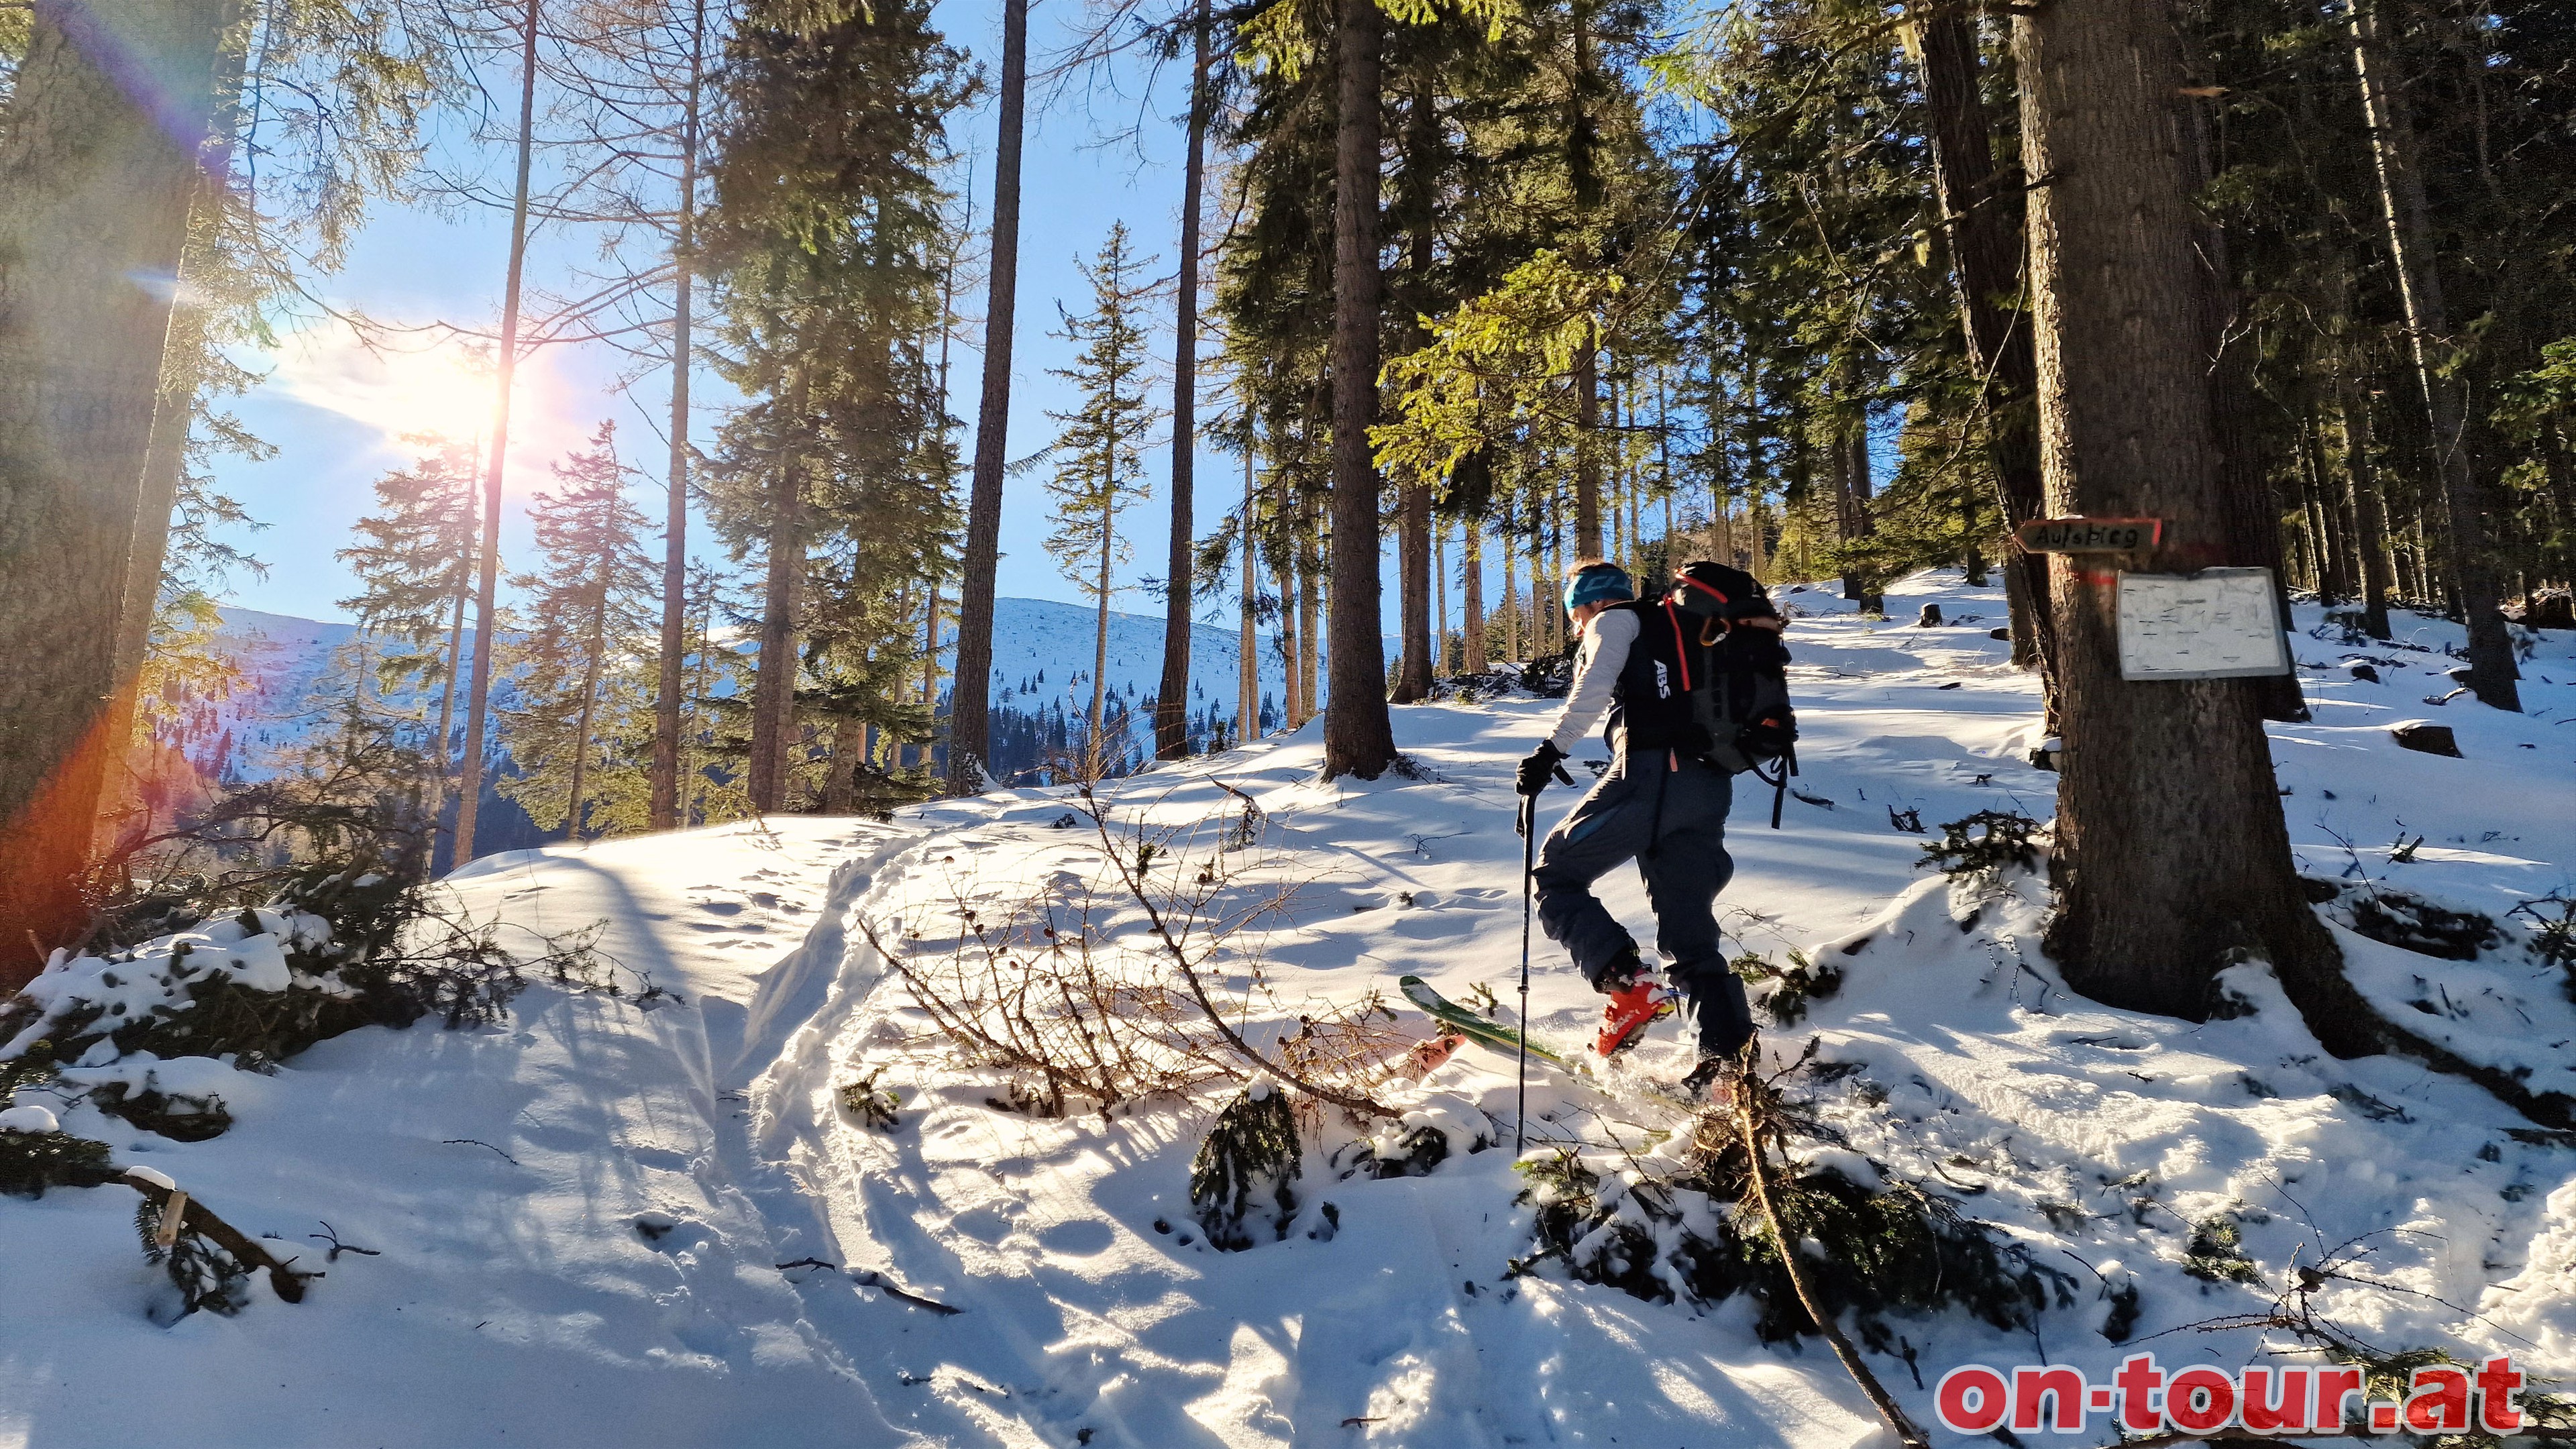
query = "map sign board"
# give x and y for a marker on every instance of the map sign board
(2090, 535)
(2215, 624)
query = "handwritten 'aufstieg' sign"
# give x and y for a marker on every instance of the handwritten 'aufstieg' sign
(2090, 535)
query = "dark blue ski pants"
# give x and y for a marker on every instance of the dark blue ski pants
(1668, 814)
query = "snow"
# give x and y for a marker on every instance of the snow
(29, 1118)
(582, 1212)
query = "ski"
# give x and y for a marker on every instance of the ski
(1478, 1028)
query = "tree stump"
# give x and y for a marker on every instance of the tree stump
(1931, 617)
(2430, 739)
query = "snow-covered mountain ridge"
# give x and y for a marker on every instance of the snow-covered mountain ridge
(292, 669)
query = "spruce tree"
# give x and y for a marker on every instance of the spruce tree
(829, 245)
(580, 726)
(413, 558)
(1099, 457)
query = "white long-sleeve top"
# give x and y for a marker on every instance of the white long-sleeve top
(1596, 669)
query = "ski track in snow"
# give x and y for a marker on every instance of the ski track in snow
(581, 1210)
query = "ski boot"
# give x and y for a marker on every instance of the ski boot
(1637, 1001)
(1712, 1082)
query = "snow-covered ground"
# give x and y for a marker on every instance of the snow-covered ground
(581, 1213)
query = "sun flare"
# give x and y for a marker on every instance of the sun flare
(444, 391)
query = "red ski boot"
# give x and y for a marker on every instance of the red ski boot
(1631, 1010)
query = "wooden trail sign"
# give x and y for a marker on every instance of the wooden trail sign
(2089, 535)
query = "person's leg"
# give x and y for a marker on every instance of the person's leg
(1608, 827)
(1686, 868)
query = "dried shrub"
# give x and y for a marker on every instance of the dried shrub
(1038, 986)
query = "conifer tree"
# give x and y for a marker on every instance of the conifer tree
(830, 243)
(1099, 459)
(413, 558)
(580, 720)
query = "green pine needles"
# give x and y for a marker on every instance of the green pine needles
(1877, 1250)
(1241, 1177)
(1099, 458)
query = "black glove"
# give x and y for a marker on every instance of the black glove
(1547, 759)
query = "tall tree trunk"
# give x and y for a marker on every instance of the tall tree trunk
(2491, 674)
(970, 702)
(1172, 702)
(841, 775)
(1413, 608)
(1986, 253)
(100, 148)
(2338, 581)
(164, 460)
(1095, 752)
(1358, 738)
(773, 689)
(1247, 701)
(573, 812)
(478, 692)
(2361, 483)
(1442, 662)
(2171, 857)
(1849, 452)
(1587, 455)
(1471, 588)
(1310, 636)
(663, 804)
(1292, 679)
(1511, 598)
(442, 751)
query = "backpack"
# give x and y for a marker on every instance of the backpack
(1739, 692)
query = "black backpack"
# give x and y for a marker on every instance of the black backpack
(1740, 699)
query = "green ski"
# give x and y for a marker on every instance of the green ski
(1476, 1028)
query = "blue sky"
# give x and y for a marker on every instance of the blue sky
(336, 413)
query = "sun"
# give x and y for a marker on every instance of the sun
(444, 390)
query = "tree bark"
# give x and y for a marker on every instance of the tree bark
(1247, 702)
(1292, 691)
(1413, 567)
(2492, 674)
(1172, 702)
(663, 803)
(970, 699)
(478, 691)
(2171, 857)
(1471, 587)
(1358, 738)
(1986, 251)
(1310, 641)
(1095, 752)
(773, 688)
(106, 127)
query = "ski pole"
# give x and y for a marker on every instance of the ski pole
(1529, 868)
